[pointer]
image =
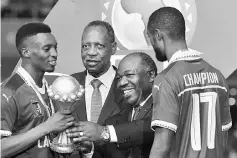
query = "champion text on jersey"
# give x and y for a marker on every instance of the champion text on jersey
(193, 79)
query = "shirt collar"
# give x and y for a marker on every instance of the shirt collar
(141, 105)
(189, 54)
(29, 80)
(106, 79)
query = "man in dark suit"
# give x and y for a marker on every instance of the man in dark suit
(130, 129)
(102, 99)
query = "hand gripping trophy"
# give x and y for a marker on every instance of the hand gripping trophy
(65, 91)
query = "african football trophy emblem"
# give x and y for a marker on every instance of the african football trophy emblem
(65, 91)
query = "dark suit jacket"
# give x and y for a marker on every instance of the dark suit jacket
(136, 135)
(114, 104)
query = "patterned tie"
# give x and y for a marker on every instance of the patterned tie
(96, 100)
(136, 111)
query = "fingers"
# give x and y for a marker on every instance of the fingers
(74, 134)
(70, 119)
(74, 129)
(80, 139)
(69, 124)
(81, 123)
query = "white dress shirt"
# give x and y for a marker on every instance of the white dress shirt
(107, 80)
(112, 132)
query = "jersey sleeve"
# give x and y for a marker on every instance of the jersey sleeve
(8, 114)
(225, 114)
(165, 105)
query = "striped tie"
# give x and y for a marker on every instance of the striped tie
(96, 100)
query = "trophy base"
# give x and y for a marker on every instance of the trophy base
(62, 148)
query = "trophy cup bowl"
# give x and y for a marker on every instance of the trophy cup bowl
(64, 91)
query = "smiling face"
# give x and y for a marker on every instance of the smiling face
(42, 50)
(96, 50)
(133, 80)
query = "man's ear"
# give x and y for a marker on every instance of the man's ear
(114, 47)
(158, 34)
(152, 76)
(25, 53)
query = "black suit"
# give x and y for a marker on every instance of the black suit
(133, 135)
(114, 104)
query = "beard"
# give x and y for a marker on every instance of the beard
(159, 55)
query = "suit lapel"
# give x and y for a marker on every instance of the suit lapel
(111, 105)
(145, 109)
(80, 106)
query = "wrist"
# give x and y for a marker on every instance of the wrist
(46, 129)
(105, 135)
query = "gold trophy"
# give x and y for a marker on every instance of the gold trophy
(64, 91)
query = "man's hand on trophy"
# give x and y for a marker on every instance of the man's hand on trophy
(83, 131)
(59, 122)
